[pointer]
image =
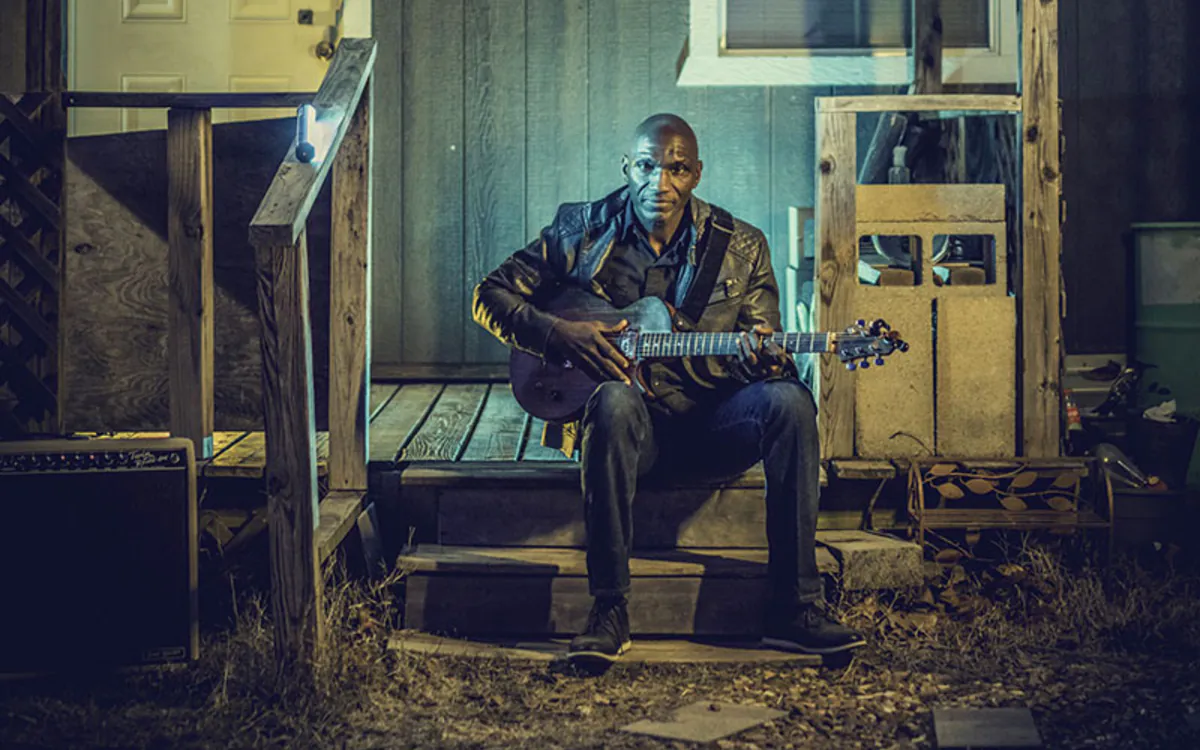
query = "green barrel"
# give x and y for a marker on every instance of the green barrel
(1167, 314)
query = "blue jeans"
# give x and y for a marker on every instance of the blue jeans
(772, 421)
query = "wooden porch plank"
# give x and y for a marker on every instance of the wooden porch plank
(396, 422)
(534, 450)
(497, 436)
(440, 438)
(224, 439)
(338, 513)
(381, 394)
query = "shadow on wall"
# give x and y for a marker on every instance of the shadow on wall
(115, 373)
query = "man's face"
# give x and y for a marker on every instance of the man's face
(662, 172)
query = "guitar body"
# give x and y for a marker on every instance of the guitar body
(559, 393)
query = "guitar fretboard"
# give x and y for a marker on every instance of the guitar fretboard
(652, 345)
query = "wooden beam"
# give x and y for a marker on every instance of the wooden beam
(350, 305)
(284, 209)
(43, 46)
(1041, 273)
(973, 104)
(178, 100)
(190, 353)
(291, 471)
(837, 272)
(927, 46)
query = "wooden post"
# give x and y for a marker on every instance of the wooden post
(190, 263)
(350, 305)
(927, 46)
(1041, 274)
(837, 272)
(291, 471)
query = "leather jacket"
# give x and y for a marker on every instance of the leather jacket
(574, 248)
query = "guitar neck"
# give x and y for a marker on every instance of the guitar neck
(656, 345)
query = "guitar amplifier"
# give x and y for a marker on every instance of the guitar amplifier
(98, 554)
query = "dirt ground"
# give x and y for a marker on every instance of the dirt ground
(1102, 659)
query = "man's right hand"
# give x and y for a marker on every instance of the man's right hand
(585, 344)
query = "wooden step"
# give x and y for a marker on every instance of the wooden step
(651, 651)
(536, 591)
(541, 507)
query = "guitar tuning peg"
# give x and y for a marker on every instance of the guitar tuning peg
(880, 362)
(866, 364)
(861, 323)
(851, 366)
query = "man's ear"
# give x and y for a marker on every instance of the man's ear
(699, 170)
(625, 166)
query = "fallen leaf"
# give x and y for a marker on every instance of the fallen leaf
(980, 486)
(957, 573)
(950, 491)
(1061, 503)
(948, 556)
(1023, 480)
(1013, 503)
(941, 470)
(1010, 570)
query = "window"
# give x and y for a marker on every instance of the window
(842, 42)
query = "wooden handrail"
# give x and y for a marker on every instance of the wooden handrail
(281, 259)
(290, 197)
(198, 100)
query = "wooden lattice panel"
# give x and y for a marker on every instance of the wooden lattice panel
(31, 181)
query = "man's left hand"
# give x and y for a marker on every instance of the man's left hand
(759, 357)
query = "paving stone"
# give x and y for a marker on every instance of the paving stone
(705, 721)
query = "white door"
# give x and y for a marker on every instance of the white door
(192, 46)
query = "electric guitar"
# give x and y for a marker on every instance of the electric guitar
(558, 392)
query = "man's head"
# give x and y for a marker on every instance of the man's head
(662, 168)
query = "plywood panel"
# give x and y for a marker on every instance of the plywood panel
(556, 99)
(619, 86)
(115, 300)
(434, 284)
(896, 398)
(976, 377)
(494, 122)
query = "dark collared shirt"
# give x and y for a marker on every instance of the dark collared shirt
(633, 270)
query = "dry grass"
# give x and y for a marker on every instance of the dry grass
(1034, 599)
(969, 637)
(233, 696)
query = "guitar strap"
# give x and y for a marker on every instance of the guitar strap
(717, 233)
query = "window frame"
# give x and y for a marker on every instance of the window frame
(705, 60)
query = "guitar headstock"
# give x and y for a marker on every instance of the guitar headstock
(862, 345)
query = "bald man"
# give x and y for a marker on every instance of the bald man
(713, 415)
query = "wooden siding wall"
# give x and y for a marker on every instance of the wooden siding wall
(1131, 114)
(497, 110)
(492, 112)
